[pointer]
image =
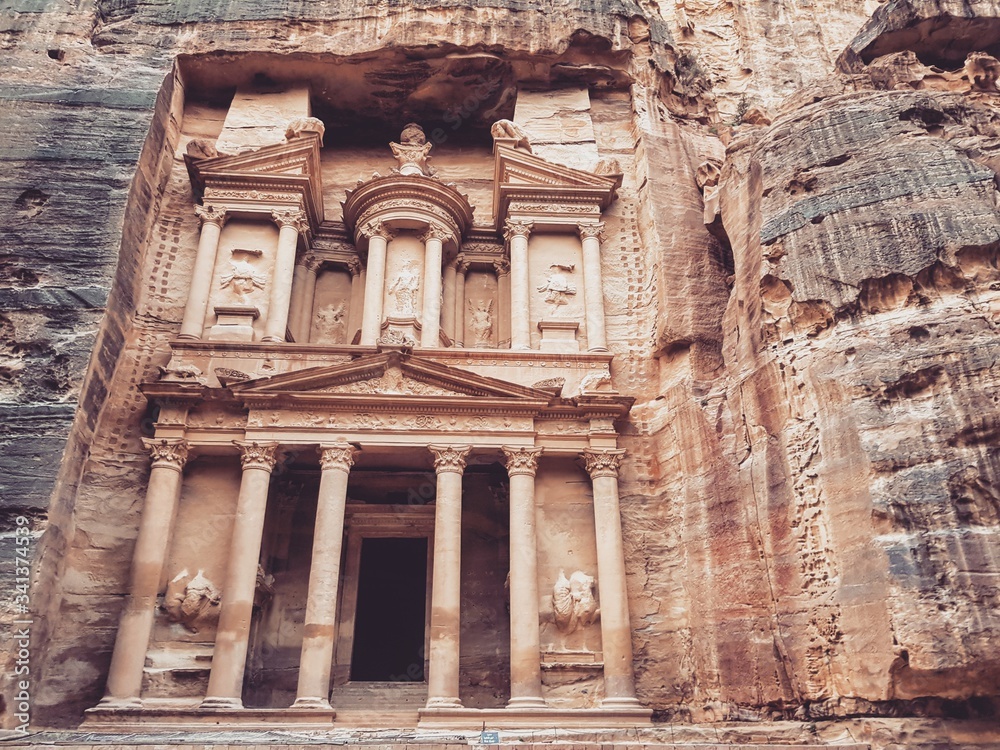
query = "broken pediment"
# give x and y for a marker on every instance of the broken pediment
(388, 375)
(528, 184)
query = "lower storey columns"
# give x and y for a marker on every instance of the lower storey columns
(446, 586)
(163, 492)
(324, 574)
(616, 632)
(525, 651)
(225, 683)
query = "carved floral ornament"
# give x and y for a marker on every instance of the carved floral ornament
(591, 230)
(211, 214)
(292, 217)
(449, 457)
(603, 463)
(513, 228)
(254, 455)
(169, 453)
(521, 460)
(339, 456)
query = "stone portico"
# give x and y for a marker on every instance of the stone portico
(385, 458)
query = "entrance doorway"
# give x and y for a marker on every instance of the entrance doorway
(391, 611)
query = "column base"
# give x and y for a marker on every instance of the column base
(623, 703)
(444, 703)
(273, 339)
(111, 702)
(515, 704)
(534, 718)
(216, 702)
(189, 336)
(312, 703)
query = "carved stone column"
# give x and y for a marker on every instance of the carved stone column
(446, 586)
(291, 224)
(225, 683)
(448, 303)
(324, 575)
(516, 233)
(461, 268)
(430, 333)
(525, 649)
(378, 241)
(298, 284)
(503, 303)
(357, 298)
(302, 323)
(213, 218)
(125, 676)
(591, 236)
(616, 632)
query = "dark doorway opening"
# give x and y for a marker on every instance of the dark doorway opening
(389, 624)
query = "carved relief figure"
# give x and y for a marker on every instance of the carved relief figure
(331, 324)
(181, 372)
(558, 287)
(573, 601)
(405, 289)
(191, 600)
(243, 278)
(481, 322)
(412, 153)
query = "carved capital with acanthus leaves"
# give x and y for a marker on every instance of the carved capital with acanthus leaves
(502, 266)
(354, 266)
(338, 456)
(211, 214)
(513, 228)
(603, 463)
(311, 263)
(435, 232)
(376, 228)
(291, 217)
(590, 230)
(170, 454)
(521, 460)
(254, 455)
(449, 457)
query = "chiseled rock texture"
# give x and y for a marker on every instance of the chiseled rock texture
(811, 508)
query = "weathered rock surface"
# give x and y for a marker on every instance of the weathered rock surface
(812, 506)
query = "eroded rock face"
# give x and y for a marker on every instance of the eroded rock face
(812, 500)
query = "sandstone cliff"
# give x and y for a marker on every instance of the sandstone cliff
(811, 511)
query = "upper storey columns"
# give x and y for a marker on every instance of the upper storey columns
(291, 224)
(516, 233)
(591, 235)
(378, 235)
(433, 238)
(213, 218)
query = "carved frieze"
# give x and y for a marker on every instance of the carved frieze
(554, 208)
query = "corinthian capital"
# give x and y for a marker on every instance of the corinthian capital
(521, 460)
(254, 455)
(513, 228)
(502, 266)
(211, 214)
(337, 456)
(291, 217)
(435, 232)
(376, 229)
(449, 457)
(603, 463)
(591, 229)
(163, 452)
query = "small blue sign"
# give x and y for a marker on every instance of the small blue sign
(489, 738)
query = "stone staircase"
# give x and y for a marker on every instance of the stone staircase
(377, 704)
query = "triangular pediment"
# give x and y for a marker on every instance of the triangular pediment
(296, 157)
(388, 375)
(523, 177)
